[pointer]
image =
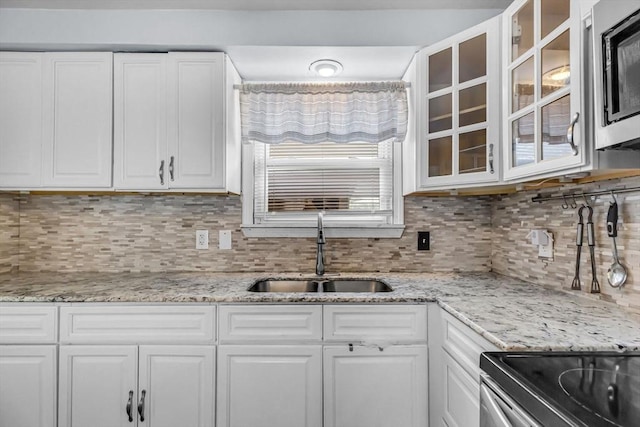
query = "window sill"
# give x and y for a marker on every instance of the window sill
(330, 231)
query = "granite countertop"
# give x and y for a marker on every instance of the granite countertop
(511, 314)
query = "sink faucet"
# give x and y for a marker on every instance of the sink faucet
(321, 241)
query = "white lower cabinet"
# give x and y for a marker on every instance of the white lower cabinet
(108, 386)
(97, 385)
(178, 383)
(267, 386)
(306, 366)
(454, 366)
(28, 386)
(375, 387)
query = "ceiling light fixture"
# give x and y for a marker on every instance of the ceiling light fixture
(559, 75)
(326, 67)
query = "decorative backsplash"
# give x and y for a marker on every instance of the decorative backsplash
(514, 216)
(113, 233)
(122, 233)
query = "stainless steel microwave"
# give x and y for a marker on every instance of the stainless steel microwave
(616, 32)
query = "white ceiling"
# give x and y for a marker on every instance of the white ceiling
(267, 40)
(257, 4)
(291, 63)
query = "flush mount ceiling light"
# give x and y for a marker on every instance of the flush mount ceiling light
(559, 75)
(326, 67)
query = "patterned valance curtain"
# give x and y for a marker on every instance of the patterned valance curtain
(312, 113)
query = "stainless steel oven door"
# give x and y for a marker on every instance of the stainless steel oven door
(499, 410)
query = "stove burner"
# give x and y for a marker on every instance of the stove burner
(601, 392)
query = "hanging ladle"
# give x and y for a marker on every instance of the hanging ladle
(617, 274)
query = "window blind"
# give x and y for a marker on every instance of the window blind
(294, 180)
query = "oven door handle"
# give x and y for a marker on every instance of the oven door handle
(494, 410)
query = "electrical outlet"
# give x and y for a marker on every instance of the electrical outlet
(423, 240)
(202, 239)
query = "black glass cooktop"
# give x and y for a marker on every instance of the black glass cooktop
(574, 388)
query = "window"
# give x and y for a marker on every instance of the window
(311, 148)
(357, 185)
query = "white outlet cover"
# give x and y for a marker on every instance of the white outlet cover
(202, 239)
(224, 239)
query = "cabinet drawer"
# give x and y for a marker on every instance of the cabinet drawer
(137, 324)
(270, 323)
(371, 322)
(28, 324)
(464, 345)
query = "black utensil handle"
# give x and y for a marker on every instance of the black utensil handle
(612, 220)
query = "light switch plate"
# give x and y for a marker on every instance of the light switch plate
(224, 239)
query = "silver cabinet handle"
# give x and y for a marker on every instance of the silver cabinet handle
(161, 172)
(129, 404)
(491, 170)
(141, 405)
(574, 147)
(171, 168)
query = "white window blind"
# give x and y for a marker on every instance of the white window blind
(293, 181)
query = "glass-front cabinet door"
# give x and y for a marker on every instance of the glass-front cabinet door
(542, 92)
(459, 124)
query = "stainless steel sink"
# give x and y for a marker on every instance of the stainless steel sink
(276, 285)
(333, 285)
(355, 285)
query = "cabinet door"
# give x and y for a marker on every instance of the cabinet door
(139, 122)
(20, 119)
(460, 119)
(96, 386)
(77, 119)
(461, 395)
(195, 121)
(176, 386)
(542, 88)
(266, 386)
(28, 386)
(367, 387)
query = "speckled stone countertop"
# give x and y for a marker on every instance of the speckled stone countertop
(511, 314)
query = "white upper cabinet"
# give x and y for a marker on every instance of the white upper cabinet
(169, 124)
(20, 119)
(196, 125)
(458, 125)
(55, 120)
(140, 120)
(543, 120)
(77, 106)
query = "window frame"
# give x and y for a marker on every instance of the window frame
(333, 228)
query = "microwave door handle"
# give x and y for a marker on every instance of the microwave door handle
(574, 147)
(494, 410)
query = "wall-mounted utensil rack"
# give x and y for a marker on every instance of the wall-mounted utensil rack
(573, 197)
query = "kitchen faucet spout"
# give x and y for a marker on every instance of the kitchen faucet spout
(320, 242)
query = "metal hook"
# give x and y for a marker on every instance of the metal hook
(565, 205)
(613, 196)
(574, 204)
(584, 197)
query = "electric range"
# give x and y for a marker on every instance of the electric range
(581, 389)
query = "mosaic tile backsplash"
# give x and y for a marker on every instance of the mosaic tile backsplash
(512, 254)
(157, 233)
(139, 233)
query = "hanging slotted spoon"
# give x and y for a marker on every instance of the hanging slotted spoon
(617, 274)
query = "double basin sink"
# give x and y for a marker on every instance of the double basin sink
(320, 285)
